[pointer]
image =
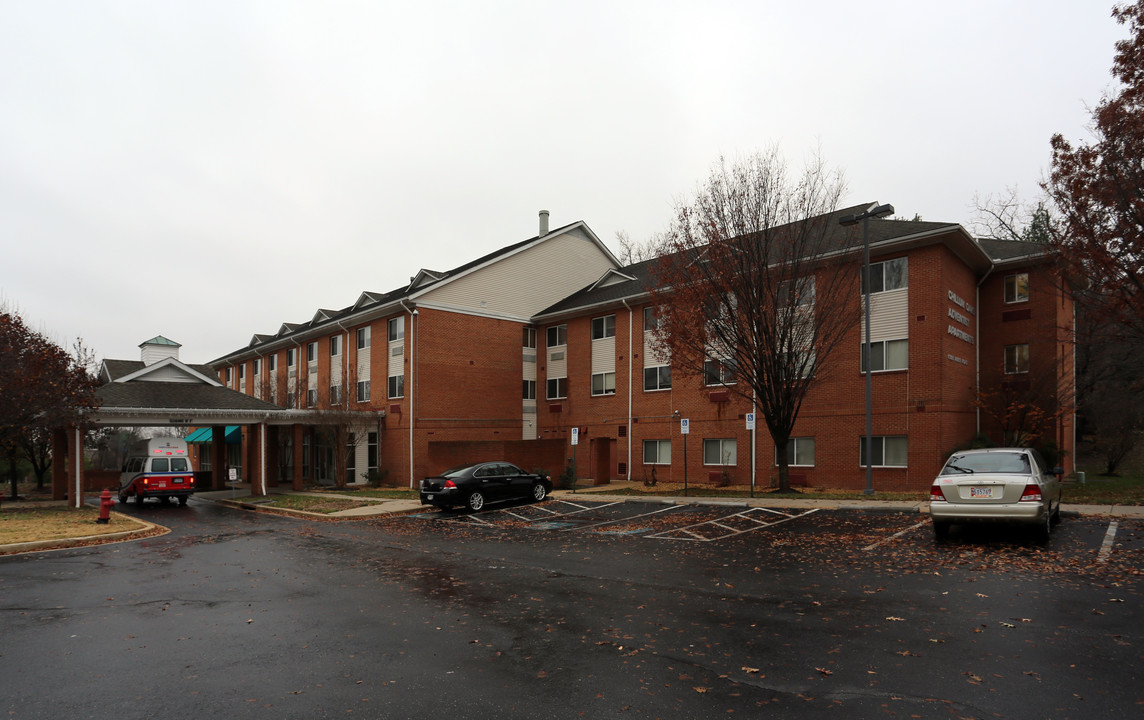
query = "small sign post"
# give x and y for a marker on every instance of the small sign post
(684, 430)
(751, 427)
(575, 442)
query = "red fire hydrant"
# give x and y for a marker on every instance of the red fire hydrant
(105, 505)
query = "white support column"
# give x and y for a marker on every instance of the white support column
(78, 459)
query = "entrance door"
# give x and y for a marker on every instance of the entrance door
(602, 452)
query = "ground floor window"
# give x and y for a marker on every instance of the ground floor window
(719, 451)
(557, 388)
(657, 452)
(800, 451)
(657, 378)
(887, 451)
(396, 386)
(604, 383)
(371, 453)
(887, 355)
(351, 456)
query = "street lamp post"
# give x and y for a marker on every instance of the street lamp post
(874, 211)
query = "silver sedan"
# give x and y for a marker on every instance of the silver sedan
(1011, 485)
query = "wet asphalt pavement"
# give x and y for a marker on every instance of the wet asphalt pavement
(576, 608)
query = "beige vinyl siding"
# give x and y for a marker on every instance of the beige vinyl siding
(604, 355)
(522, 284)
(558, 361)
(363, 364)
(889, 315)
(396, 358)
(174, 374)
(652, 356)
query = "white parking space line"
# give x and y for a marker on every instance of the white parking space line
(621, 520)
(584, 508)
(895, 536)
(1106, 546)
(745, 515)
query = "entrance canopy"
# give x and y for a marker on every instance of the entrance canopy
(204, 435)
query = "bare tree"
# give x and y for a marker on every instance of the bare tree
(759, 285)
(632, 251)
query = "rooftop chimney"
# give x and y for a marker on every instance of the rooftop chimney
(543, 222)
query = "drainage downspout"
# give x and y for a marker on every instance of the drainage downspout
(977, 342)
(631, 381)
(412, 365)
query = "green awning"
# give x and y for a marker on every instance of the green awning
(204, 435)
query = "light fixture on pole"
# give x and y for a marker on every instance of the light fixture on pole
(874, 211)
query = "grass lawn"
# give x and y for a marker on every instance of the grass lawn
(53, 523)
(1126, 489)
(307, 503)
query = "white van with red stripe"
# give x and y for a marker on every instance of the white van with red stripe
(158, 468)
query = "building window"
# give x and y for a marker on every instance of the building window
(800, 452)
(396, 386)
(272, 366)
(371, 452)
(529, 338)
(529, 389)
(887, 275)
(650, 319)
(229, 375)
(557, 388)
(603, 327)
(291, 357)
(363, 338)
(311, 398)
(363, 391)
(557, 336)
(604, 383)
(1017, 288)
(719, 372)
(657, 452)
(335, 394)
(888, 451)
(311, 352)
(657, 378)
(719, 451)
(292, 400)
(887, 355)
(796, 292)
(1016, 359)
(335, 345)
(397, 328)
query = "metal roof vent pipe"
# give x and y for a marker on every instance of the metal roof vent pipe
(543, 222)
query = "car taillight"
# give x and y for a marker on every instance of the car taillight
(935, 493)
(146, 482)
(450, 484)
(191, 480)
(1032, 493)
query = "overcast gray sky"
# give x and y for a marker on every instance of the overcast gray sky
(209, 170)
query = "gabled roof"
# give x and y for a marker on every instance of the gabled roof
(424, 281)
(634, 282)
(1008, 251)
(259, 339)
(123, 371)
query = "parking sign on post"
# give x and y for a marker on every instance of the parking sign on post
(750, 421)
(684, 426)
(575, 436)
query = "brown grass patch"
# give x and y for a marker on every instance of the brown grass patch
(55, 523)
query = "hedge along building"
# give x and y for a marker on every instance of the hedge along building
(423, 377)
(959, 328)
(502, 357)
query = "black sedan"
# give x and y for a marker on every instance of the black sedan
(479, 483)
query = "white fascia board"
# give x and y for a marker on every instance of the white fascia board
(476, 312)
(167, 362)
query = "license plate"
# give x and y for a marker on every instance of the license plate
(178, 481)
(980, 492)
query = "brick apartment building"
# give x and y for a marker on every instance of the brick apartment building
(502, 357)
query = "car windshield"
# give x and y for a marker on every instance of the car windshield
(1000, 462)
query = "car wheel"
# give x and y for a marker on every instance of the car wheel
(539, 492)
(940, 530)
(1056, 516)
(122, 498)
(476, 501)
(138, 498)
(183, 501)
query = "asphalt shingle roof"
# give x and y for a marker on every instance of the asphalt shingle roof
(177, 396)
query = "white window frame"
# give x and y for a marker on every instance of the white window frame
(659, 447)
(528, 338)
(548, 387)
(363, 391)
(723, 369)
(797, 449)
(725, 459)
(1014, 291)
(335, 394)
(311, 397)
(529, 390)
(395, 328)
(312, 352)
(603, 327)
(883, 345)
(335, 345)
(1015, 364)
(650, 319)
(878, 446)
(659, 375)
(400, 382)
(561, 336)
(878, 270)
(272, 365)
(363, 337)
(607, 384)
(291, 357)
